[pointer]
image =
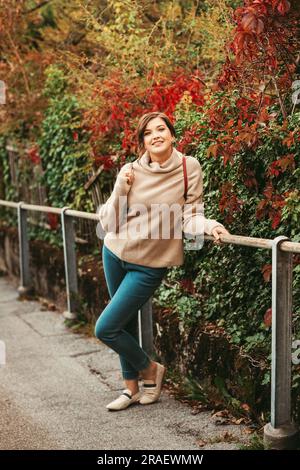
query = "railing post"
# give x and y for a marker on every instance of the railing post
(146, 327)
(281, 433)
(70, 264)
(25, 281)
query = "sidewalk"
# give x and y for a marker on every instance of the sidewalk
(55, 385)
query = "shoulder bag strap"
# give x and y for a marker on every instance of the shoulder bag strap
(185, 176)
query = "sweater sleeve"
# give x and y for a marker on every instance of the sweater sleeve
(112, 213)
(194, 221)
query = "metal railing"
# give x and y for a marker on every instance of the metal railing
(280, 433)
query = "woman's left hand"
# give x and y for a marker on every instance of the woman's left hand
(219, 230)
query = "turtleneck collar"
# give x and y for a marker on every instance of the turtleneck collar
(173, 162)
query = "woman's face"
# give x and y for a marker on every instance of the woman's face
(157, 137)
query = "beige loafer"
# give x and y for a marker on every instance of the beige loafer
(152, 391)
(123, 401)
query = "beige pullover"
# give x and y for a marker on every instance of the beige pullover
(135, 207)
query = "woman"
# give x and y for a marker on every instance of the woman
(136, 256)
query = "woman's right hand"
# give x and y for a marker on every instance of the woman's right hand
(129, 174)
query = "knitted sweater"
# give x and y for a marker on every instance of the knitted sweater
(131, 237)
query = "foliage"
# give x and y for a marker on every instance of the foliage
(256, 443)
(62, 145)
(8, 190)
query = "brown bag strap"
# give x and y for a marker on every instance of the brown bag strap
(185, 176)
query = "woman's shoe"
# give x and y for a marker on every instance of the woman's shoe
(152, 390)
(124, 400)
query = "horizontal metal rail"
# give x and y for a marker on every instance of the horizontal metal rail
(266, 243)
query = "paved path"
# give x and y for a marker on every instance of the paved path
(55, 385)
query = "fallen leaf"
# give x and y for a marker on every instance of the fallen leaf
(201, 443)
(228, 437)
(222, 422)
(248, 431)
(245, 407)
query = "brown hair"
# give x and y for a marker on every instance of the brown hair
(142, 124)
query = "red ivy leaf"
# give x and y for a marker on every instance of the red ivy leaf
(289, 140)
(268, 317)
(212, 150)
(267, 271)
(34, 156)
(283, 7)
(187, 285)
(276, 218)
(252, 24)
(53, 220)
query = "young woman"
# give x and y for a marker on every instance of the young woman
(135, 254)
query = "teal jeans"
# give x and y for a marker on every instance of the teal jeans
(130, 286)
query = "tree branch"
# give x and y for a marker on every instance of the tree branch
(27, 12)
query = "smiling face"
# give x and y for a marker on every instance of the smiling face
(158, 139)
